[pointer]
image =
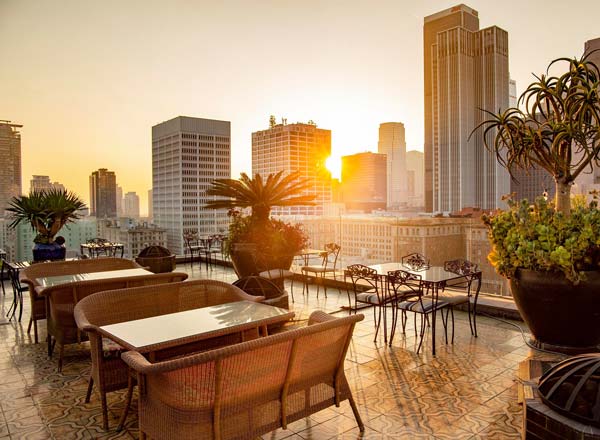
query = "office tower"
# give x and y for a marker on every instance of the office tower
(10, 160)
(364, 181)
(513, 99)
(414, 178)
(150, 210)
(465, 70)
(103, 194)
(295, 147)
(119, 198)
(131, 205)
(43, 183)
(187, 155)
(392, 143)
(588, 181)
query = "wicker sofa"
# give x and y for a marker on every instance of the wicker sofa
(248, 389)
(29, 275)
(109, 372)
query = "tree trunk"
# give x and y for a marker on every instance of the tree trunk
(563, 198)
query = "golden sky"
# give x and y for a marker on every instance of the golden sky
(88, 79)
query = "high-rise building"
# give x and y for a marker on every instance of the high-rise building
(103, 194)
(589, 180)
(513, 99)
(119, 198)
(43, 183)
(187, 155)
(392, 143)
(465, 71)
(131, 205)
(150, 210)
(364, 181)
(133, 235)
(295, 147)
(414, 178)
(10, 158)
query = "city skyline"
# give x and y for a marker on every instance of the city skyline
(88, 91)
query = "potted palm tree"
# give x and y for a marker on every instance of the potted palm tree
(47, 212)
(550, 250)
(271, 243)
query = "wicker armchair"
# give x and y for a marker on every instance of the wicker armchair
(61, 301)
(109, 372)
(249, 389)
(29, 275)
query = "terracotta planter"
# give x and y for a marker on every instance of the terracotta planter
(562, 317)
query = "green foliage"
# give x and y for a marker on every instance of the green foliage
(259, 194)
(46, 211)
(273, 238)
(538, 238)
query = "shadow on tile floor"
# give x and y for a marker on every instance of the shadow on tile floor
(468, 390)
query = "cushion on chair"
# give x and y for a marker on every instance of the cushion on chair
(415, 306)
(110, 349)
(275, 274)
(454, 298)
(317, 269)
(371, 297)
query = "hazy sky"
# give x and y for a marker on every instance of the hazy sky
(88, 79)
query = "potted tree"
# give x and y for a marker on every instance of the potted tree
(47, 212)
(550, 250)
(258, 238)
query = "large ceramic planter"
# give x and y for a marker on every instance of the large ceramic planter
(246, 261)
(562, 317)
(49, 252)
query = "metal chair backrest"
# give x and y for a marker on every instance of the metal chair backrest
(332, 251)
(402, 278)
(415, 261)
(460, 266)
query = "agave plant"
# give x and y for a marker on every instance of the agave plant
(260, 195)
(557, 130)
(46, 211)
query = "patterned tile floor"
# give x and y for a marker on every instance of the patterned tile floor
(469, 390)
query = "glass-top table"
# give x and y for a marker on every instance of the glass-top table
(165, 331)
(91, 276)
(433, 278)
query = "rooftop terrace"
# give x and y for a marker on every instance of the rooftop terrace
(468, 390)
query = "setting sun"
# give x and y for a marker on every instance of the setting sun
(334, 165)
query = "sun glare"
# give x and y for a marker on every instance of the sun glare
(334, 165)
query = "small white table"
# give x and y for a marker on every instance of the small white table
(91, 276)
(148, 335)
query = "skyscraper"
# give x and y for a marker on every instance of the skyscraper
(103, 194)
(364, 181)
(392, 143)
(150, 210)
(295, 147)
(131, 205)
(119, 198)
(414, 178)
(187, 155)
(465, 70)
(43, 183)
(10, 158)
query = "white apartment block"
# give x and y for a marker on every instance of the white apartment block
(187, 155)
(131, 205)
(392, 142)
(296, 147)
(371, 239)
(135, 237)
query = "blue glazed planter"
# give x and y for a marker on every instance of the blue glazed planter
(52, 251)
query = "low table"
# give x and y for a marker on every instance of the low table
(89, 276)
(160, 332)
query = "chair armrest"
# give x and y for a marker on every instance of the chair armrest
(136, 361)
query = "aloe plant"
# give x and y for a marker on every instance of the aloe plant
(46, 211)
(557, 130)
